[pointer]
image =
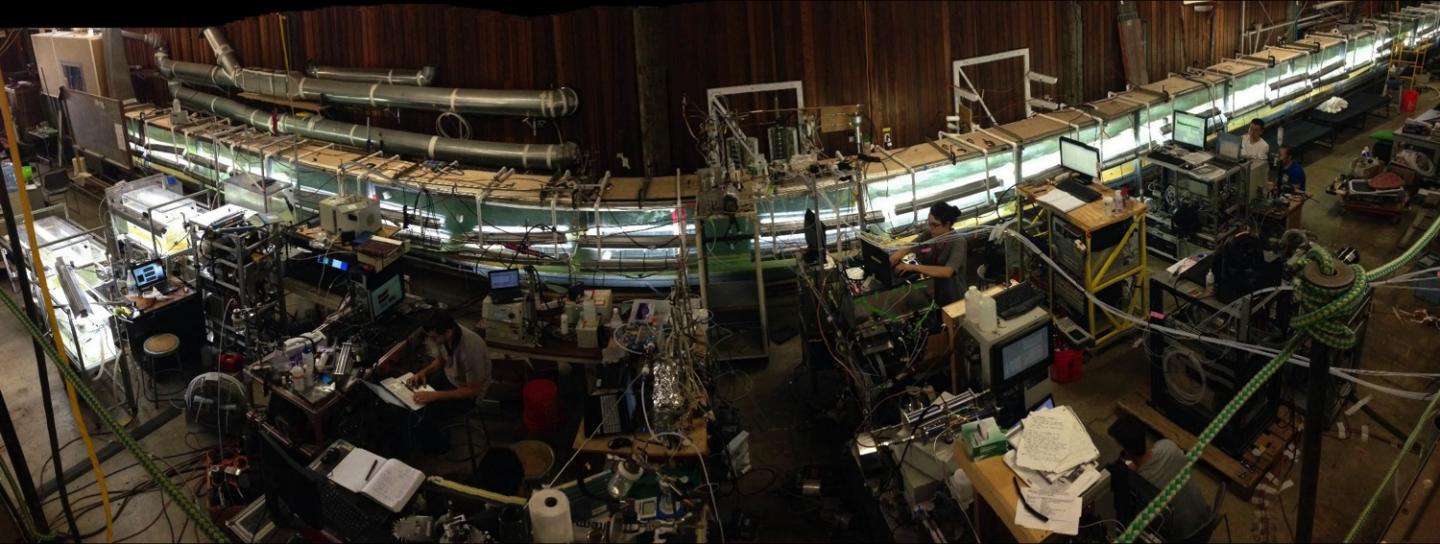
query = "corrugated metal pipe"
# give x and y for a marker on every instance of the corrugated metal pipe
(546, 156)
(223, 53)
(546, 104)
(417, 78)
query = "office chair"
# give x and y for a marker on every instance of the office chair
(1203, 533)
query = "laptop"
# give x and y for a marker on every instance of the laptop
(151, 274)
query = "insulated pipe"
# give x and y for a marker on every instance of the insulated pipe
(419, 78)
(546, 156)
(545, 104)
(223, 53)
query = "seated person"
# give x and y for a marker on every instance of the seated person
(465, 359)
(1158, 464)
(1292, 175)
(943, 260)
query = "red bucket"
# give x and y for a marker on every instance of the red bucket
(1069, 366)
(1408, 100)
(542, 405)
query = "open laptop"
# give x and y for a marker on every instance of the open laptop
(151, 274)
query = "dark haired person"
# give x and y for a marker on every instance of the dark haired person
(460, 373)
(1292, 175)
(940, 254)
(1252, 144)
(1158, 464)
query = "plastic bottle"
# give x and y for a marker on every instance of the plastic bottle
(1210, 279)
(587, 312)
(564, 324)
(615, 321)
(972, 305)
(989, 321)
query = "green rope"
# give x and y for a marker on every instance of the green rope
(200, 517)
(1322, 318)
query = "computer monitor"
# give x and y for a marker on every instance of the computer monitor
(1080, 158)
(814, 237)
(1189, 131)
(1228, 145)
(876, 262)
(1024, 353)
(385, 297)
(504, 279)
(292, 490)
(148, 274)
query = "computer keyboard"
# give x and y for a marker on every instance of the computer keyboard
(1078, 190)
(1163, 157)
(1017, 300)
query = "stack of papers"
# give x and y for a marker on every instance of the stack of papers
(1058, 461)
(1060, 200)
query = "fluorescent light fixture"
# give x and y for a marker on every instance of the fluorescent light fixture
(1041, 78)
(1042, 104)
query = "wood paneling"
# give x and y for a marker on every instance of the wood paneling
(892, 57)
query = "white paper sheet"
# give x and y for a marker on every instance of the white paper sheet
(1063, 511)
(1054, 441)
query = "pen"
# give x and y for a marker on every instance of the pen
(372, 469)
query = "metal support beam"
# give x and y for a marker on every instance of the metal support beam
(1072, 53)
(1316, 420)
(651, 85)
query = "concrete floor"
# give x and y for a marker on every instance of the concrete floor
(783, 441)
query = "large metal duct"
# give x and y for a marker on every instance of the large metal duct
(547, 156)
(546, 104)
(419, 78)
(224, 55)
(155, 41)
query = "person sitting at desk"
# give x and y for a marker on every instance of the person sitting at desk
(1292, 175)
(467, 375)
(1253, 145)
(1158, 464)
(943, 259)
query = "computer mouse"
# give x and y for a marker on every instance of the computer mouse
(621, 442)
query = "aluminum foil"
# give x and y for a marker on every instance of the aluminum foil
(668, 397)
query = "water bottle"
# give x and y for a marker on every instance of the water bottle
(1210, 279)
(972, 305)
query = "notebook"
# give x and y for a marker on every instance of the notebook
(388, 482)
(401, 391)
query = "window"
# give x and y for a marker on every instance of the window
(74, 77)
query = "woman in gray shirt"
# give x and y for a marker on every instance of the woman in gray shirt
(940, 253)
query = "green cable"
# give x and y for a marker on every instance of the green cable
(201, 518)
(1321, 318)
(1394, 468)
(26, 517)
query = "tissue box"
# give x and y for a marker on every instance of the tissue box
(984, 439)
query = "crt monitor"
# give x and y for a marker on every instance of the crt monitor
(148, 273)
(1189, 131)
(1228, 145)
(504, 279)
(1023, 354)
(1079, 158)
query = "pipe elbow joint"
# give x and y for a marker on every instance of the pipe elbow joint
(563, 102)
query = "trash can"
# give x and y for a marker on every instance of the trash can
(1408, 100)
(542, 405)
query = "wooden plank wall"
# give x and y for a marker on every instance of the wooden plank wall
(892, 57)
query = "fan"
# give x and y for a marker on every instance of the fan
(215, 401)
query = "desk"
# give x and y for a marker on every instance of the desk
(1287, 216)
(600, 445)
(1092, 216)
(314, 405)
(559, 351)
(994, 487)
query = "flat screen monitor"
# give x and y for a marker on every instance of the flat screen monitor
(504, 279)
(1025, 352)
(1189, 130)
(1079, 158)
(148, 274)
(814, 237)
(390, 293)
(876, 261)
(1228, 145)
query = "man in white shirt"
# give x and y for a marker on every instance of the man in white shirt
(1253, 144)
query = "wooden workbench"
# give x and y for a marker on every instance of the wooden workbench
(994, 487)
(1092, 216)
(699, 434)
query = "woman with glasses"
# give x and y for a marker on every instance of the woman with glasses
(940, 254)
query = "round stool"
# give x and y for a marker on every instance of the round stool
(158, 347)
(537, 457)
